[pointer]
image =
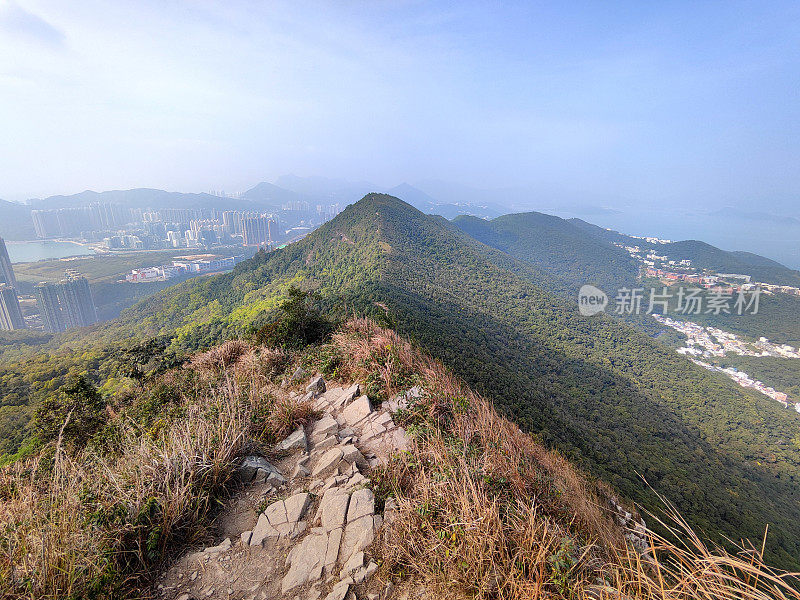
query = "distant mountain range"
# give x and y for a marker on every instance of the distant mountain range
(263, 196)
(430, 197)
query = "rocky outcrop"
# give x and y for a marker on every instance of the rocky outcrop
(316, 520)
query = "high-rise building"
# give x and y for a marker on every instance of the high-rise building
(10, 313)
(49, 307)
(257, 230)
(6, 270)
(232, 221)
(66, 304)
(77, 304)
(45, 222)
(62, 222)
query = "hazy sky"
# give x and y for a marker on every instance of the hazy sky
(602, 102)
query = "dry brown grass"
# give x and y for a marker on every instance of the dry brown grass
(485, 511)
(91, 524)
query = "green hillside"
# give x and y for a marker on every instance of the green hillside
(610, 397)
(557, 247)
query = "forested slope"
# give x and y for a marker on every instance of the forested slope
(557, 247)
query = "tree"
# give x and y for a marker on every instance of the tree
(78, 408)
(299, 323)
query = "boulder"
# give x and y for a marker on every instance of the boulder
(362, 503)
(274, 478)
(250, 465)
(357, 410)
(296, 440)
(316, 386)
(327, 463)
(299, 374)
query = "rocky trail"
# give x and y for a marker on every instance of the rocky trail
(303, 525)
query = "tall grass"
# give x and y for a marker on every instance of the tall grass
(99, 522)
(485, 511)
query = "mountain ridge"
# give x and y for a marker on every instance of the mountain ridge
(609, 397)
(482, 312)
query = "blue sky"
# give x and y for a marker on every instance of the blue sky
(602, 103)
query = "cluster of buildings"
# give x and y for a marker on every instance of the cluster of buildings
(78, 221)
(116, 227)
(708, 342)
(673, 271)
(184, 265)
(10, 312)
(673, 276)
(62, 305)
(744, 380)
(714, 342)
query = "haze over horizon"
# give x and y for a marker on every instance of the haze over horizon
(623, 105)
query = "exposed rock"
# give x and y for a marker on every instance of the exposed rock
(356, 410)
(362, 503)
(274, 478)
(333, 508)
(347, 396)
(262, 530)
(328, 462)
(328, 442)
(354, 562)
(364, 572)
(299, 374)
(300, 471)
(296, 507)
(306, 561)
(223, 547)
(250, 465)
(358, 535)
(339, 592)
(316, 386)
(326, 426)
(276, 513)
(295, 440)
(332, 552)
(353, 456)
